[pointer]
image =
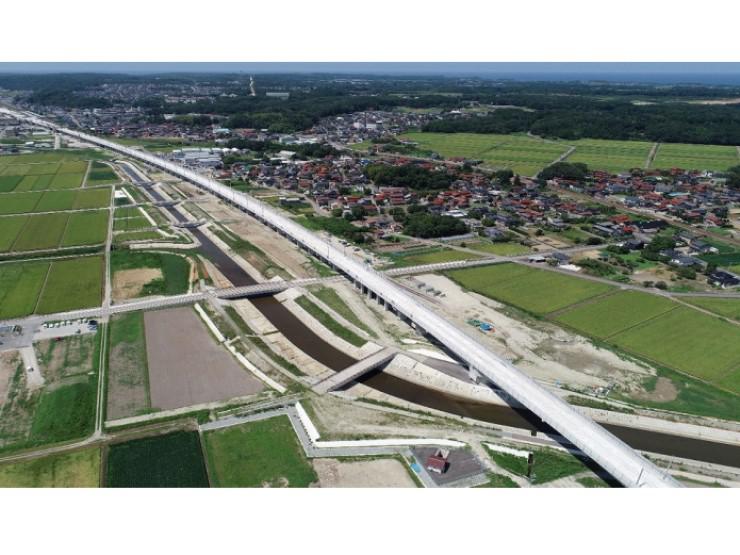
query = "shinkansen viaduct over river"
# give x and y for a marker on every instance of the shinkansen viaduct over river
(611, 453)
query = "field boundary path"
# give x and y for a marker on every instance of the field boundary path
(651, 155)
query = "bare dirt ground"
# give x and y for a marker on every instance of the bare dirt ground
(378, 473)
(69, 357)
(543, 350)
(128, 391)
(9, 361)
(127, 284)
(186, 366)
(664, 391)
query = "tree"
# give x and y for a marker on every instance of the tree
(565, 170)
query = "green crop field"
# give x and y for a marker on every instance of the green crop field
(56, 200)
(258, 454)
(131, 224)
(10, 227)
(508, 248)
(615, 313)
(93, 198)
(20, 286)
(42, 231)
(61, 155)
(86, 228)
(150, 235)
(19, 203)
(432, 255)
(695, 157)
(101, 174)
(692, 342)
(534, 290)
(9, 182)
(72, 284)
(66, 412)
(167, 461)
(50, 231)
(523, 155)
(77, 469)
(611, 156)
(729, 308)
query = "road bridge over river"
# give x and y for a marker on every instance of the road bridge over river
(615, 456)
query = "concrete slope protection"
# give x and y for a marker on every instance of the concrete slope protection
(612, 454)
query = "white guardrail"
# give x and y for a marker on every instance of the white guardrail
(615, 456)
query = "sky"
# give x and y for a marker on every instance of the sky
(655, 72)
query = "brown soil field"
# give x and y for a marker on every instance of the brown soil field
(186, 366)
(127, 284)
(378, 473)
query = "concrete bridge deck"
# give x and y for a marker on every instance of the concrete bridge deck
(358, 369)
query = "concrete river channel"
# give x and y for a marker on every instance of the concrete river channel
(310, 343)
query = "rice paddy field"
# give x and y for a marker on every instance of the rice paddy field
(54, 201)
(730, 308)
(40, 176)
(611, 156)
(536, 291)
(130, 219)
(167, 461)
(654, 328)
(696, 157)
(101, 174)
(51, 231)
(45, 286)
(522, 154)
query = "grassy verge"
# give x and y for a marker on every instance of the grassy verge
(330, 323)
(499, 481)
(332, 299)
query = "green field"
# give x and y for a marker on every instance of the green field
(45, 287)
(329, 323)
(175, 270)
(101, 174)
(689, 341)
(126, 236)
(695, 157)
(508, 248)
(611, 156)
(533, 290)
(41, 232)
(72, 284)
(168, 461)
(548, 464)
(61, 155)
(20, 286)
(41, 176)
(10, 227)
(258, 454)
(433, 255)
(77, 469)
(66, 412)
(86, 228)
(523, 155)
(730, 308)
(54, 201)
(50, 231)
(624, 309)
